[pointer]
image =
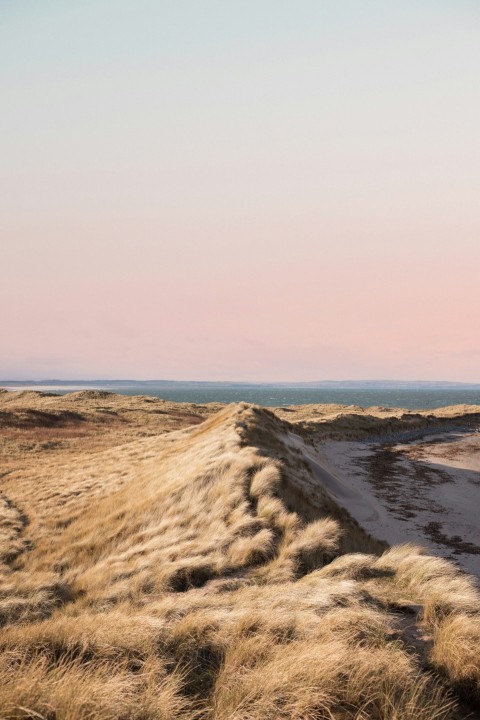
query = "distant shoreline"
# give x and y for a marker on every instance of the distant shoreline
(321, 384)
(409, 397)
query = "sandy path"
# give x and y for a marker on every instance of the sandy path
(427, 491)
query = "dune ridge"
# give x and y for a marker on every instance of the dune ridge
(162, 560)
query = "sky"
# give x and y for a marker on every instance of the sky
(255, 190)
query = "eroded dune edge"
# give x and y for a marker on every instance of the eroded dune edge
(164, 560)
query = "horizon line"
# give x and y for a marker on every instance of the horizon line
(45, 381)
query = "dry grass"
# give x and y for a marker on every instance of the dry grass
(456, 652)
(353, 422)
(157, 569)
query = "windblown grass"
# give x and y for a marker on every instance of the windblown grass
(175, 575)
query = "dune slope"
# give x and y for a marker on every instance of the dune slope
(164, 562)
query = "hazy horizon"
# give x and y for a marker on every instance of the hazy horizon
(347, 381)
(256, 190)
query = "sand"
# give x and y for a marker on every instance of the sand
(426, 490)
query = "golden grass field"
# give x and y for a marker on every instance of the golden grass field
(167, 561)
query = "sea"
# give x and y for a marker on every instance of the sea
(413, 397)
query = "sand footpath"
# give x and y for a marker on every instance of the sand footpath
(424, 491)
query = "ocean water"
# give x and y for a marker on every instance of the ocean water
(275, 396)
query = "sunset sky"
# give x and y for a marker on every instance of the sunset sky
(240, 190)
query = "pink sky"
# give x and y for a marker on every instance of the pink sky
(283, 195)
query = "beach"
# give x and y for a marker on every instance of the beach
(425, 491)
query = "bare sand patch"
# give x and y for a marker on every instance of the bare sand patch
(427, 490)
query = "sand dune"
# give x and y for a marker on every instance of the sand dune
(164, 560)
